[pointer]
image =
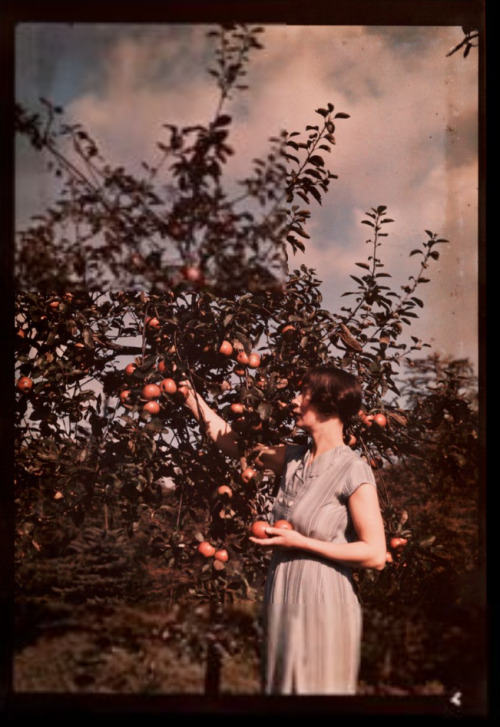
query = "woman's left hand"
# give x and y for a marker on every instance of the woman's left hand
(280, 537)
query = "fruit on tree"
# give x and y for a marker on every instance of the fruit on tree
(288, 332)
(237, 407)
(168, 386)
(239, 371)
(206, 549)
(366, 419)
(380, 419)
(221, 555)
(124, 395)
(254, 360)
(242, 358)
(162, 366)
(25, 384)
(151, 391)
(152, 407)
(192, 274)
(225, 490)
(398, 543)
(183, 390)
(258, 529)
(130, 368)
(248, 474)
(226, 348)
(153, 323)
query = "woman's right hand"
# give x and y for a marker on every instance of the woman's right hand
(187, 389)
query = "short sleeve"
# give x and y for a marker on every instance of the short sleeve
(359, 473)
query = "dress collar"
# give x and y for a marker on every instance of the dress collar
(322, 461)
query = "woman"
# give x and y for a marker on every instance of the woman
(328, 494)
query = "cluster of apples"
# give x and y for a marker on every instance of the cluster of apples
(151, 392)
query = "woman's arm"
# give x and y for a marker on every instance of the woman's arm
(217, 428)
(220, 431)
(368, 551)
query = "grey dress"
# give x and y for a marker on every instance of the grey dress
(313, 616)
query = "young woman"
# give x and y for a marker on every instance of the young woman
(328, 494)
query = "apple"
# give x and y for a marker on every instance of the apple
(124, 395)
(225, 490)
(283, 524)
(248, 474)
(221, 555)
(183, 390)
(242, 358)
(366, 419)
(226, 348)
(206, 549)
(258, 529)
(193, 274)
(130, 368)
(380, 419)
(168, 386)
(288, 332)
(397, 543)
(153, 323)
(25, 384)
(254, 360)
(237, 408)
(152, 407)
(151, 391)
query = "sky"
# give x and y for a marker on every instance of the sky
(410, 142)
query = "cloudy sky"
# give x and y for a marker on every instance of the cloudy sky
(410, 142)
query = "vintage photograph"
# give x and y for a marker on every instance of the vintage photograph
(248, 444)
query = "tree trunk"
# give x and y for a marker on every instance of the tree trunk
(213, 671)
(214, 661)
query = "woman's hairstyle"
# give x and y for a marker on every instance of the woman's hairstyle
(334, 392)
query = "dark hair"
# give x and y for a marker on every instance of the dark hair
(334, 392)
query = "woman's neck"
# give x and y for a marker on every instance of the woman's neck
(326, 435)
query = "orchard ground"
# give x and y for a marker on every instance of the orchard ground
(120, 649)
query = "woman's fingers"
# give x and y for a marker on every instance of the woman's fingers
(276, 537)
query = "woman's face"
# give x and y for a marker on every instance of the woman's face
(305, 414)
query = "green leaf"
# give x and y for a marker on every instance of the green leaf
(317, 160)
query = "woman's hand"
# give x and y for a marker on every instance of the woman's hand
(280, 538)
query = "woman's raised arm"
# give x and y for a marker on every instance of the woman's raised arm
(217, 428)
(268, 457)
